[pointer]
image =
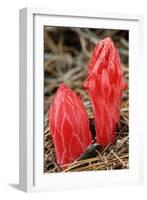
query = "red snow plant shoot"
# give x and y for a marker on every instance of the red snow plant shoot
(105, 85)
(69, 126)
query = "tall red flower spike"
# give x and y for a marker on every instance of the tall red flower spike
(69, 126)
(105, 85)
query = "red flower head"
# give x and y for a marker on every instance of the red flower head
(105, 85)
(69, 126)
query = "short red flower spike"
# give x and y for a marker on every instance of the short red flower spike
(105, 85)
(69, 126)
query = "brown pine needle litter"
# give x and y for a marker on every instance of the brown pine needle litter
(66, 55)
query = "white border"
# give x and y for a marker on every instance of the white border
(32, 177)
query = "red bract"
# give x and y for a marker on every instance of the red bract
(105, 85)
(69, 126)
